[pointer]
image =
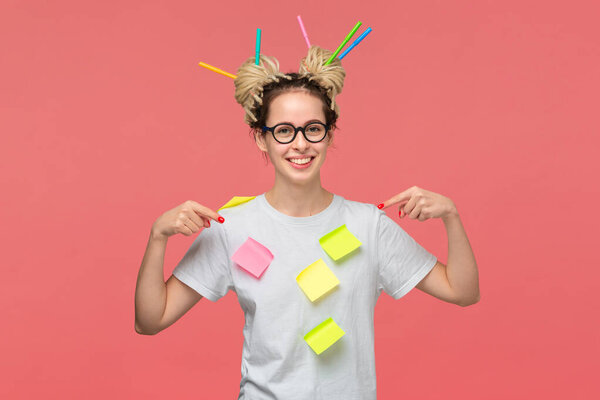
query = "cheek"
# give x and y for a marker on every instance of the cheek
(323, 156)
(274, 150)
(324, 147)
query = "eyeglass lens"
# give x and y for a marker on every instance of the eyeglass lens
(313, 132)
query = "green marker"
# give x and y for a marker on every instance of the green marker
(348, 37)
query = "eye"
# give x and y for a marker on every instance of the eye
(315, 129)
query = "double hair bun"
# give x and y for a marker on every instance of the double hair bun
(251, 78)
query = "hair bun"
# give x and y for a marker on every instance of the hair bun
(330, 77)
(252, 78)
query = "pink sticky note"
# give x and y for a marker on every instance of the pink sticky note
(253, 257)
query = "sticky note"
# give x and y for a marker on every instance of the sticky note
(253, 257)
(316, 280)
(236, 201)
(339, 242)
(323, 335)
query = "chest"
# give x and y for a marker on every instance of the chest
(277, 291)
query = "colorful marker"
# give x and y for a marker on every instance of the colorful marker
(357, 41)
(303, 31)
(341, 46)
(257, 55)
(217, 70)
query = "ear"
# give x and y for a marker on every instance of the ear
(329, 138)
(260, 140)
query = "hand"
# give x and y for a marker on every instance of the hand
(421, 204)
(186, 218)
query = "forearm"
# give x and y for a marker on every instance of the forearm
(461, 267)
(151, 292)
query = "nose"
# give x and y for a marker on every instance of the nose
(300, 143)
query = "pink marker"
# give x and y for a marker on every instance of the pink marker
(303, 31)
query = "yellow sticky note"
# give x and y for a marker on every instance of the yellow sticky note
(339, 242)
(316, 280)
(323, 335)
(236, 201)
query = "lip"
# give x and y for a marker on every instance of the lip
(299, 157)
(298, 166)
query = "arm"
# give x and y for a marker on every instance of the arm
(158, 304)
(462, 272)
(458, 282)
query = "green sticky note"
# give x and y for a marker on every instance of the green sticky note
(236, 201)
(316, 280)
(323, 335)
(339, 242)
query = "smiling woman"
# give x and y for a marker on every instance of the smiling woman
(305, 151)
(295, 227)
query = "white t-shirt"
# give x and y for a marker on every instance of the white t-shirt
(276, 361)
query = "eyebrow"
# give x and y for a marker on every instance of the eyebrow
(306, 123)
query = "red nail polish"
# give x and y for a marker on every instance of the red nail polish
(380, 206)
(221, 219)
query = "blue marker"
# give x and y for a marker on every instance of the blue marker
(357, 41)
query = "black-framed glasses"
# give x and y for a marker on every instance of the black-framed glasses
(284, 133)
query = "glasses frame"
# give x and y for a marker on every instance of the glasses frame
(296, 130)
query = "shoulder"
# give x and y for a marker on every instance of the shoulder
(238, 207)
(371, 217)
(236, 218)
(360, 208)
(239, 217)
(366, 215)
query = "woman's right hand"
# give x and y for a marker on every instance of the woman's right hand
(186, 218)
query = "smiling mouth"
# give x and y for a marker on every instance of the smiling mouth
(300, 161)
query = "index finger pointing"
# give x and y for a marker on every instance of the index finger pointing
(399, 198)
(207, 212)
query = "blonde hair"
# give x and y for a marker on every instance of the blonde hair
(313, 75)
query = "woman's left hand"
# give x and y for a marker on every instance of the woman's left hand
(421, 204)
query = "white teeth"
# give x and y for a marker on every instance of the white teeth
(300, 160)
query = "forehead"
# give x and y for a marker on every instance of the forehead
(296, 106)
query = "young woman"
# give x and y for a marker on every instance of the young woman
(293, 117)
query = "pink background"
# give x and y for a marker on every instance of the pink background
(107, 122)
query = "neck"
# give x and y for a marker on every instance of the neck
(299, 200)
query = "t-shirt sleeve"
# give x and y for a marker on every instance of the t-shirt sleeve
(205, 266)
(402, 262)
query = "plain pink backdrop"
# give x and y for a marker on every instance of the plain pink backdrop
(107, 122)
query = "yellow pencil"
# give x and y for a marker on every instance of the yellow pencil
(217, 70)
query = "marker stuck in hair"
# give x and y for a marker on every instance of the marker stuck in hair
(217, 70)
(357, 41)
(257, 55)
(341, 46)
(303, 31)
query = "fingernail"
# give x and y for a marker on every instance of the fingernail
(208, 223)
(380, 206)
(221, 219)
